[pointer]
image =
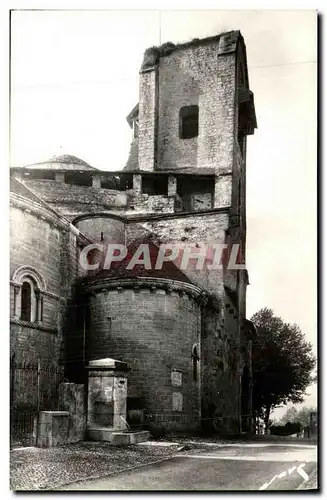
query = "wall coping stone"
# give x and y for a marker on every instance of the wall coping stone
(35, 326)
(146, 217)
(47, 214)
(43, 292)
(142, 282)
(56, 413)
(105, 363)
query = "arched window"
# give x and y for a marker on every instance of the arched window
(26, 302)
(28, 294)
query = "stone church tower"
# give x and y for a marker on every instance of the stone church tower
(183, 331)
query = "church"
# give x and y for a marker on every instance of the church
(182, 332)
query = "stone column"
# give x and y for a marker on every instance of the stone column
(96, 181)
(223, 191)
(107, 394)
(172, 185)
(137, 183)
(37, 293)
(16, 296)
(60, 176)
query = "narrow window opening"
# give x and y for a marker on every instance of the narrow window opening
(155, 185)
(189, 122)
(42, 174)
(78, 178)
(125, 182)
(26, 303)
(110, 182)
(195, 359)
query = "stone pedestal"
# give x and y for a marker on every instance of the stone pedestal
(96, 181)
(107, 404)
(53, 428)
(107, 394)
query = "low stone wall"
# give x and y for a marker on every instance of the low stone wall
(72, 400)
(68, 424)
(152, 203)
(53, 427)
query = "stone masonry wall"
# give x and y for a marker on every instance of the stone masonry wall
(59, 193)
(220, 376)
(197, 229)
(34, 242)
(145, 203)
(51, 251)
(147, 119)
(72, 399)
(112, 229)
(197, 75)
(31, 344)
(74, 200)
(154, 333)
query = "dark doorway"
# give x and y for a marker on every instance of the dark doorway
(78, 178)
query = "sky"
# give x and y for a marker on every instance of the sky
(74, 79)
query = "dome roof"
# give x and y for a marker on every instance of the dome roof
(63, 162)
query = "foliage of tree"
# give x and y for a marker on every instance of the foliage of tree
(301, 415)
(286, 430)
(283, 362)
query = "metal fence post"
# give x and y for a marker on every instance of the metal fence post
(38, 384)
(12, 393)
(33, 387)
(38, 400)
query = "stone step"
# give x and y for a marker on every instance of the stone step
(116, 437)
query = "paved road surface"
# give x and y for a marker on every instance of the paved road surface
(233, 467)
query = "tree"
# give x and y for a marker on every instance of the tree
(301, 415)
(286, 430)
(315, 377)
(282, 364)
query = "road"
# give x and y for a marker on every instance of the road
(250, 466)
